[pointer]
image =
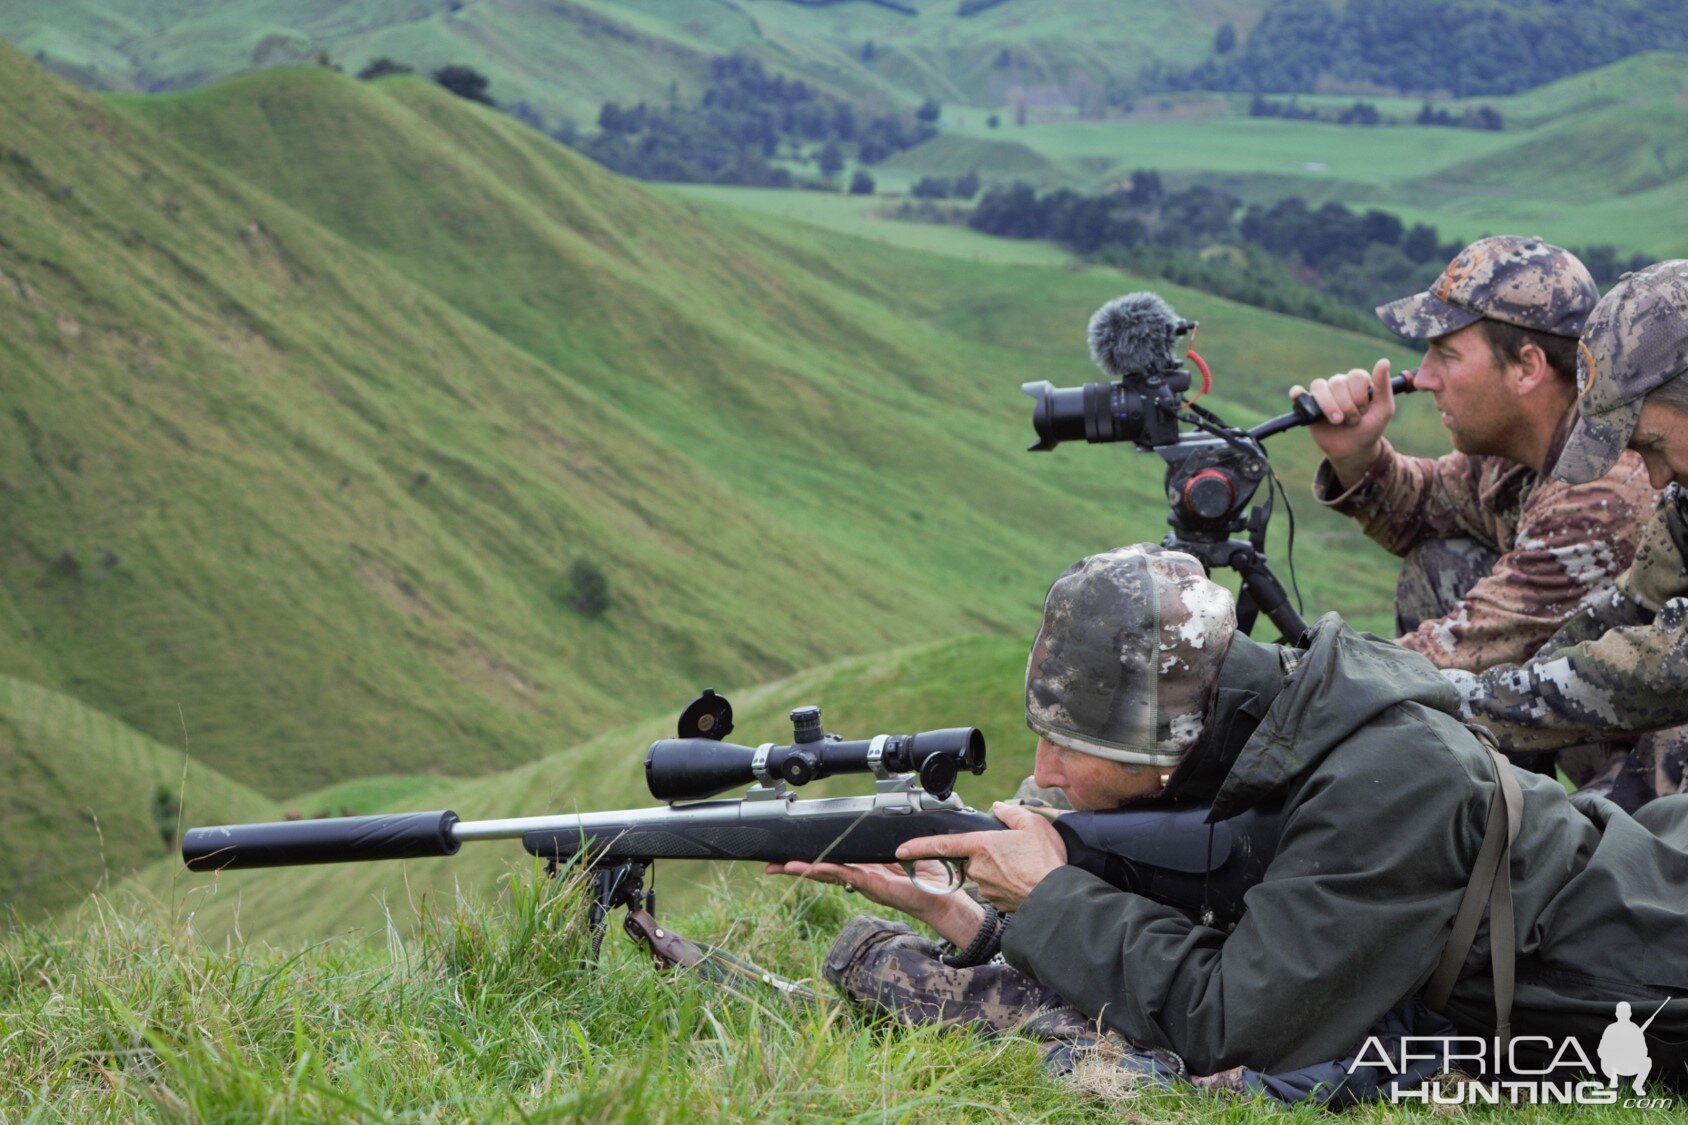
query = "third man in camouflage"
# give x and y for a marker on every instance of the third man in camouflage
(1620, 664)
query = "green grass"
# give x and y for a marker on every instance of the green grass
(874, 219)
(492, 1012)
(1585, 139)
(1105, 151)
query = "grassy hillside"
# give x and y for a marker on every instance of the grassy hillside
(317, 391)
(1597, 157)
(76, 798)
(1598, 144)
(568, 58)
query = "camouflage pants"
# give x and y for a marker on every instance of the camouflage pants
(889, 969)
(1653, 768)
(1435, 575)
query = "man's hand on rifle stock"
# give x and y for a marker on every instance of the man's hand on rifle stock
(954, 917)
(1005, 865)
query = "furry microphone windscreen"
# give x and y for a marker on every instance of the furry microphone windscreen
(1134, 334)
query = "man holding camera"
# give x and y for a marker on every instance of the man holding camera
(1496, 553)
(1621, 663)
(1139, 687)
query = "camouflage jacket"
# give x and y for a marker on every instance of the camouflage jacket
(1384, 797)
(1619, 664)
(1557, 541)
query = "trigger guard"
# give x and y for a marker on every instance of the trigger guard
(956, 868)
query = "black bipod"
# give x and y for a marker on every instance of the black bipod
(620, 885)
(624, 885)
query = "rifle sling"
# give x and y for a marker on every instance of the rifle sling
(1490, 886)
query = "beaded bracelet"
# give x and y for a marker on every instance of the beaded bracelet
(982, 948)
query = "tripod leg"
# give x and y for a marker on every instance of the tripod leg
(1262, 588)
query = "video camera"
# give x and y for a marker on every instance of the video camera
(1212, 469)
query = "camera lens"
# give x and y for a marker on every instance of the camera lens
(1058, 415)
(1096, 412)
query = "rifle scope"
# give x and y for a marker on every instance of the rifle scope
(691, 769)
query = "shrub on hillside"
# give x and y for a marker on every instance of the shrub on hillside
(588, 589)
(831, 159)
(381, 67)
(166, 814)
(465, 82)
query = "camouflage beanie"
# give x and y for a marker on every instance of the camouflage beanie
(1126, 661)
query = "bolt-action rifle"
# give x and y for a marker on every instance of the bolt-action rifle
(1163, 850)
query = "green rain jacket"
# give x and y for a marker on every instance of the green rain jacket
(1384, 797)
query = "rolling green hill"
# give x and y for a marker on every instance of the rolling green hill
(1598, 143)
(76, 798)
(317, 390)
(568, 58)
(1594, 158)
(325, 426)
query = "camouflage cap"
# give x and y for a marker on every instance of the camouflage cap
(1126, 661)
(1521, 281)
(1636, 341)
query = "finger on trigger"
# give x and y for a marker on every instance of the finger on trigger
(940, 847)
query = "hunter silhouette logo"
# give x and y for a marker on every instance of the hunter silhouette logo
(1623, 1049)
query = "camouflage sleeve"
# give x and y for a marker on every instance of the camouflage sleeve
(1402, 501)
(1619, 665)
(1572, 539)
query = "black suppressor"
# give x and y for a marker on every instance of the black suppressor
(691, 769)
(348, 839)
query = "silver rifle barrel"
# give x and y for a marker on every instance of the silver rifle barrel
(360, 839)
(763, 806)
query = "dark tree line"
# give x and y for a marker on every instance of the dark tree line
(1482, 117)
(1366, 113)
(964, 186)
(1327, 263)
(1461, 47)
(740, 124)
